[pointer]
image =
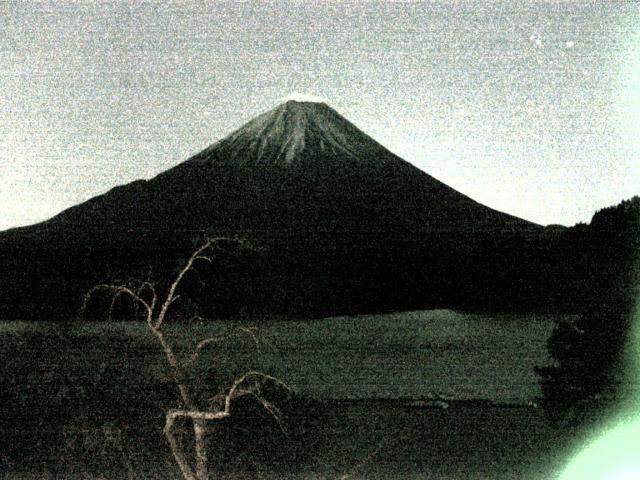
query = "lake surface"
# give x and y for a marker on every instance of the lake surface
(409, 354)
(413, 354)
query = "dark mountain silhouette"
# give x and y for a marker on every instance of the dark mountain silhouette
(343, 225)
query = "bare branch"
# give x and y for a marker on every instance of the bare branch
(250, 331)
(196, 317)
(255, 375)
(196, 414)
(148, 286)
(234, 392)
(197, 255)
(369, 457)
(203, 257)
(196, 274)
(117, 290)
(175, 367)
(114, 299)
(271, 409)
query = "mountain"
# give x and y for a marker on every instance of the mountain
(342, 224)
(299, 162)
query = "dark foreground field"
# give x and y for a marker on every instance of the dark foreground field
(363, 441)
(87, 400)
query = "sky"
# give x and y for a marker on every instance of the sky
(532, 108)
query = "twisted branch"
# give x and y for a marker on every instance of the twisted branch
(239, 331)
(195, 256)
(235, 391)
(119, 290)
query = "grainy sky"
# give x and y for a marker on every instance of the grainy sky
(532, 108)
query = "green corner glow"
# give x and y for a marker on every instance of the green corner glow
(613, 456)
(615, 453)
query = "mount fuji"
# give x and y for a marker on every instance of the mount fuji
(343, 223)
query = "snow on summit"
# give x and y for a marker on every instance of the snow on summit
(303, 97)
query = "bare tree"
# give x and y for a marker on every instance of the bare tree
(155, 310)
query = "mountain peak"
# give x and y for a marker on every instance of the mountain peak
(300, 131)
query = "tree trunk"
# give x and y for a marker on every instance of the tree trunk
(202, 456)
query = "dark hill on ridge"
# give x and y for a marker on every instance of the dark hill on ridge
(343, 225)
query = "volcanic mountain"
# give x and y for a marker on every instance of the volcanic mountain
(343, 223)
(298, 166)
